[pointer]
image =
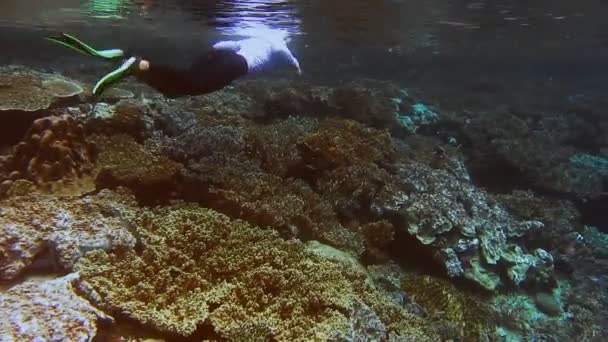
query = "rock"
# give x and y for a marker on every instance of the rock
(48, 310)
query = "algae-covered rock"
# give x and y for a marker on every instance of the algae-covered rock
(199, 269)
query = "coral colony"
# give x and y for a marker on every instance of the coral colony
(275, 211)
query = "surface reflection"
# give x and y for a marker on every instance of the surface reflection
(108, 9)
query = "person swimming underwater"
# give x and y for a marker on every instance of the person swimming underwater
(224, 63)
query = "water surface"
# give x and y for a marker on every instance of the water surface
(385, 38)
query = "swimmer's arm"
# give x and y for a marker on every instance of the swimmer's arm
(227, 45)
(291, 59)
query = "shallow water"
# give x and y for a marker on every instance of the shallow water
(353, 37)
(417, 129)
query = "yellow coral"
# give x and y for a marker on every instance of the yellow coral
(122, 161)
(458, 311)
(199, 268)
(288, 205)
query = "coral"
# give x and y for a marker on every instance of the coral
(48, 310)
(198, 143)
(275, 146)
(447, 214)
(338, 143)
(246, 174)
(586, 299)
(364, 325)
(124, 162)
(368, 102)
(378, 236)
(199, 269)
(597, 241)
(55, 148)
(334, 254)
(23, 89)
(418, 114)
(560, 170)
(462, 315)
(62, 88)
(588, 161)
(39, 227)
(350, 165)
(304, 178)
(280, 98)
(116, 94)
(524, 318)
(241, 190)
(547, 304)
(126, 116)
(560, 217)
(530, 148)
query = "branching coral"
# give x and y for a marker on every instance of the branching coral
(198, 269)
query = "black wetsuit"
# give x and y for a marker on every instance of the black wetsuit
(208, 73)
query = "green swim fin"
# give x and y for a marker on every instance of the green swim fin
(77, 45)
(113, 76)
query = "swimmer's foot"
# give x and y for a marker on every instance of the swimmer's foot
(114, 76)
(73, 43)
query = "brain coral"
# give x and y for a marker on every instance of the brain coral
(201, 271)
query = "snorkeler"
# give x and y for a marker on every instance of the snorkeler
(226, 62)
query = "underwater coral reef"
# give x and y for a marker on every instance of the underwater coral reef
(272, 211)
